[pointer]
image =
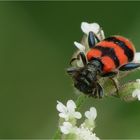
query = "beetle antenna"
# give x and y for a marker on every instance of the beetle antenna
(73, 59)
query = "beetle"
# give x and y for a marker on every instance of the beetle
(105, 59)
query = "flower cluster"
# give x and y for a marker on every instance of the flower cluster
(68, 122)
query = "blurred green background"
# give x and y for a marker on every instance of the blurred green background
(36, 44)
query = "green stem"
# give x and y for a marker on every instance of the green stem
(57, 135)
(81, 100)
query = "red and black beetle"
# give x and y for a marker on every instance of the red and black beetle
(104, 58)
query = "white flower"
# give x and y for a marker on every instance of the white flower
(137, 57)
(136, 93)
(67, 128)
(89, 122)
(94, 27)
(85, 134)
(91, 114)
(68, 112)
(80, 133)
(79, 46)
(138, 80)
(87, 27)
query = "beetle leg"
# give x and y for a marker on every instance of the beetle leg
(129, 66)
(94, 93)
(73, 59)
(110, 74)
(100, 90)
(116, 84)
(83, 57)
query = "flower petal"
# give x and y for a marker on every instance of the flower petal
(71, 106)
(79, 46)
(138, 80)
(63, 115)
(78, 115)
(101, 35)
(139, 97)
(87, 27)
(87, 114)
(66, 128)
(61, 107)
(137, 57)
(85, 134)
(92, 114)
(136, 93)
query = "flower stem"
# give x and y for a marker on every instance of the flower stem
(81, 100)
(57, 134)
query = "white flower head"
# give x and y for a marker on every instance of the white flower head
(68, 112)
(72, 131)
(86, 134)
(81, 133)
(137, 57)
(79, 46)
(67, 128)
(136, 94)
(91, 114)
(94, 27)
(138, 80)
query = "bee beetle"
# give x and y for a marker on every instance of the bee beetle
(103, 59)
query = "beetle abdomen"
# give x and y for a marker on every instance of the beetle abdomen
(112, 52)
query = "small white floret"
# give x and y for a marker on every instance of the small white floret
(66, 128)
(79, 46)
(136, 94)
(86, 134)
(68, 112)
(61, 107)
(93, 27)
(138, 80)
(137, 57)
(71, 105)
(91, 114)
(87, 27)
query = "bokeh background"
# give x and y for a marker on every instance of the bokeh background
(36, 44)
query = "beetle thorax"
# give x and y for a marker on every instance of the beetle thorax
(86, 78)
